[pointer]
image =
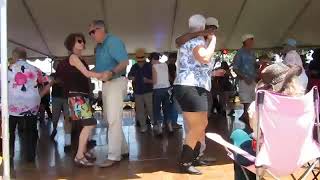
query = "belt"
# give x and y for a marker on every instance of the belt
(123, 75)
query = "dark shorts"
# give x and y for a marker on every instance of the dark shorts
(191, 98)
(81, 111)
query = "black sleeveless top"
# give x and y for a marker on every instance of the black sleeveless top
(74, 81)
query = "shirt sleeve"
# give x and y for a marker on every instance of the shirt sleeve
(196, 42)
(118, 50)
(237, 61)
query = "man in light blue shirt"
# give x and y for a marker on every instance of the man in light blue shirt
(112, 58)
(244, 65)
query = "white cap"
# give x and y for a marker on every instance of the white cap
(197, 21)
(211, 21)
(246, 37)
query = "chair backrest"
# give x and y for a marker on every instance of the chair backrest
(286, 124)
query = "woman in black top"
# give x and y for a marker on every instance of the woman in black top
(76, 80)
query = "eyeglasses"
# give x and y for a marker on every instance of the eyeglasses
(93, 31)
(80, 41)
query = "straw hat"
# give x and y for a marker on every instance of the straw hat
(277, 75)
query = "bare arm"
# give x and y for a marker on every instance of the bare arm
(186, 37)
(76, 62)
(239, 74)
(46, 89)
(202, 54)
(121, 67)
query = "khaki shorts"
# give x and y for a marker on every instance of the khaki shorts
(247, 92)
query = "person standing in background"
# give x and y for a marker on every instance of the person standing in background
(141, 76)
(246, 69)
(293, 58)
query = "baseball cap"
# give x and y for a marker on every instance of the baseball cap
(211, 21)
(291, 42)
(246, 37)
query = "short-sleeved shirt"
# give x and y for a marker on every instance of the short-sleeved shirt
(191, 72)
(245, 62)
(24, 97)
(139, 87)
(110, 53)
(293, 58)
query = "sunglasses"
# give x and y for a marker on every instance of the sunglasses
(93, 31)
(80, 41)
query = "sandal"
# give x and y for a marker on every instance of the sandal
(82, 162)
(90, 157)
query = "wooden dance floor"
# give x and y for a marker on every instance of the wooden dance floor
(151, 157)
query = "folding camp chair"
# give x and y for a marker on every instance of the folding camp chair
(285, 139)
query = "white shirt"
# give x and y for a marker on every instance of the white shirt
(162, 76)
(293, 58)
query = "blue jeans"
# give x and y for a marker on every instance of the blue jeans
(161, 99)
(173, 111)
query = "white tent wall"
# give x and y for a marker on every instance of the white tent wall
(42, 25)
(4, 91)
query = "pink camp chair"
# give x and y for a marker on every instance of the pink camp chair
(285, 141)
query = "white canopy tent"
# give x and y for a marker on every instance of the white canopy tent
(42, 25)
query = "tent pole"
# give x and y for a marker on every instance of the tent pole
(4, 90)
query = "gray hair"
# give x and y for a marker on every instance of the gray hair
(98, 24)
(19, 53)
(197, 22)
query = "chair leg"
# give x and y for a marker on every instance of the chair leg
(245, 173)
(294, 178)
(307, 172)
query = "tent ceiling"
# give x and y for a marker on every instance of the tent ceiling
(42, 25)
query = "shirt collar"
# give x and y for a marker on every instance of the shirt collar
(106, 38)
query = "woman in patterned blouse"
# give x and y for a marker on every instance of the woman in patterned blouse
(191, 88)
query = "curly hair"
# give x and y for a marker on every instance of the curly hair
(70, 40)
